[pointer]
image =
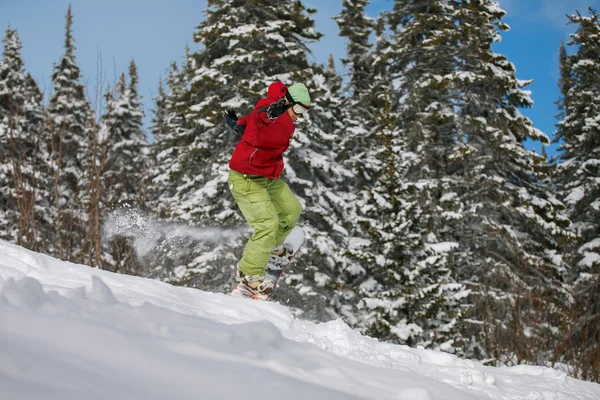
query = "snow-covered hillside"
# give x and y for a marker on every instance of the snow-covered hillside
(71, 332)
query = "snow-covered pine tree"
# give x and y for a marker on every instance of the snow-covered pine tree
(409, 211)
(169, 146)
(333, 79)
(511, 226)
(564, 84)
(381, 74)
(168, 152)
(38, 168)
(159, 120)
(125, 168)
(360, 152)
(24, 154)
(112, 127)
(578, 179)
(139, 146)
(361, 144)
(359, 114)
(158, 128)
(389, 257)
(12, 100)
(70, 116)
(357, 28)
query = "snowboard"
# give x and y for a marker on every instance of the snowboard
(275, 271)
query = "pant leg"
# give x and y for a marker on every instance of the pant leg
(287, 206)
(253, 199)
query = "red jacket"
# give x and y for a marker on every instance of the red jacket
(264, 141)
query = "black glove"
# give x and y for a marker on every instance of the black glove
(230, 117)
(275, 110)
(239, 129)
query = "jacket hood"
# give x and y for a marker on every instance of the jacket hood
(276, 90)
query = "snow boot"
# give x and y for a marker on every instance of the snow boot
(281, 255)
(254, 286)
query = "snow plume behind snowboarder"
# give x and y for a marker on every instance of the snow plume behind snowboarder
(150, 235)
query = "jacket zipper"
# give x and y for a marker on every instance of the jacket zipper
(252, 155)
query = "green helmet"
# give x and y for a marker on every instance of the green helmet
(299, 93)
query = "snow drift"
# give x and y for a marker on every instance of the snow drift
(71, 332)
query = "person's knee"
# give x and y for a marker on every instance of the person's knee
(296, 210)
(293, 212)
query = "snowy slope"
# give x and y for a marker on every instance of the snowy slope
(71, 332)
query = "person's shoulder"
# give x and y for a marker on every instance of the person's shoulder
(262, 102)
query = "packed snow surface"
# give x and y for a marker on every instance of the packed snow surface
(71, 332)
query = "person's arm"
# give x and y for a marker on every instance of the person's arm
(240, 125)
(237, 124)
(243, 120)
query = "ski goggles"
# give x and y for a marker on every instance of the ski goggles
(297, 108)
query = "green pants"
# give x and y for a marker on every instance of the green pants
(272, 211)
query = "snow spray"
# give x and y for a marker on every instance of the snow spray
(148, 233)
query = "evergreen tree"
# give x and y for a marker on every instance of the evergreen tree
(407, 291)
(12, 100)
(159, 121)
(360, 142)
(168, 147)
(381, 74)
(476, 199)
(564, 84)
(511, 226)
(411, 294)
(125, 164)
(113, 127)
(37, 171)
(358, 107)
(357, 27)
(159, 131)
(334, 81)
(125, 167)
(578, 180)
(24, 155)
(70, 115)
(168, 150)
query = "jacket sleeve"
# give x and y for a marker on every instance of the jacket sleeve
(243, 120)
(259, 115)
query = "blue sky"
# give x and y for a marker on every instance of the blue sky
(109, 33)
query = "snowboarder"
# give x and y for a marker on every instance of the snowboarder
(265, 200)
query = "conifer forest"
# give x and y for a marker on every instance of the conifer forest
(428, 221)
